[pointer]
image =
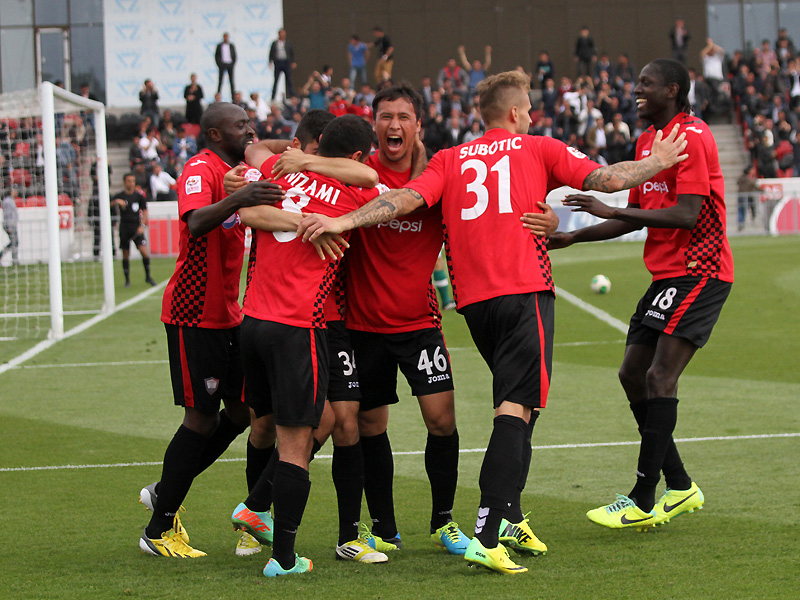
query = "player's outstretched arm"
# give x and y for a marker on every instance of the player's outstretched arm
(345, 170)
(203, 220)
(385, 207)
(665, 153)
(682, 215)
(541, 224)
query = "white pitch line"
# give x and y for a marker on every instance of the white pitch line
(420, 452)
(45, 344)
(593, 310)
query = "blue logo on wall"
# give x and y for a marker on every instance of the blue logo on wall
(256, 11)
(257, 67)
(174, 62)
(129, 60)
(171, 7)
(127, 32)
(172, 34)
(257, 39)
(127, 5)
(216, 19)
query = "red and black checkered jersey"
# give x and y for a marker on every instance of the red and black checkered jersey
(204, 290)
(389, 268)
(287, 282)
(485, 186)
(703, 250)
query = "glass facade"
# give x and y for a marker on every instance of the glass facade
(31, 41)
(744, 24)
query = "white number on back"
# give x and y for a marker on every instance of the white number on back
(477, 187)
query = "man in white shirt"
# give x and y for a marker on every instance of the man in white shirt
(161, 184)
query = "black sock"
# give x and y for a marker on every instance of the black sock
(675, 474)
(378, 478)
(291, 494)
(347, 472)
(146, 263)
(177, 473)
(514, 512)
(223, 435)
(257, 459)
(126, 268)
(261, 494)
(662, 415)
(500, 474)
(315, 447)
(441, 465)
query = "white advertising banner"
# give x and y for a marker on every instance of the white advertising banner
(167, 40)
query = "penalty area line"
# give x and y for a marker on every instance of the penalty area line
(45, 344)
(418, 452)
(594, 311)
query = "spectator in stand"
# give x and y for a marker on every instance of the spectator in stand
(346, 90)
(239, 101)
(550, 97)
(476, 69)
(768, 58)
(624, 72)
(338, 106)
(281, 57)
(149, 145)
(473, 133)
(587, 117)
(712, 56)
(679, 38)
(385, 50)
(618, 140)
(699, 93)
(453, 75)
(259, 105)
(357, 55)
(135, 155)
(453, 132)
(142, 180)
(595, 137)
(362, 109)
(148, 96)
(225, 57)
(316, 93)
(545, 128)
(193, 94)
(184, 148)
(766, 156)
(161, 184)
(426, 91)
(433, 130)
(585, 52)
(603, 64)
(168, 135)
(545, 69)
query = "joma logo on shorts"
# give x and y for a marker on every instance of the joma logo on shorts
(655, 315)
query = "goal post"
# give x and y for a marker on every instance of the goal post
(49, 93)
(56, 251)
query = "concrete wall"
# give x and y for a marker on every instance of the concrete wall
(427, 32)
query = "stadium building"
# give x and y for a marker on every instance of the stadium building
(113, 45)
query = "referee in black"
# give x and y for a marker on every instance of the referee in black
(132, 207)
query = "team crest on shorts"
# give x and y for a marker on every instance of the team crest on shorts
(212, 384)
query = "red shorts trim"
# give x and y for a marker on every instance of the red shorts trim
(684, 306)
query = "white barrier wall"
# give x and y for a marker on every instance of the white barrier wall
(167, 40)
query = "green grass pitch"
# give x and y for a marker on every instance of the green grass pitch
(102, 398)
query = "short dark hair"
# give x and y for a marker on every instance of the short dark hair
(673, 71)
(311, 126)
(402, 89)
(345, 135)
(124, 177)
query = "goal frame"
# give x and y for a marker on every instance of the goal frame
(48, 92)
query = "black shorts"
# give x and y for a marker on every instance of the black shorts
(205, 366)
(286, 371)
(128, 234)
(514, 334)
(686, 307)
(421, 355)
(343, 384)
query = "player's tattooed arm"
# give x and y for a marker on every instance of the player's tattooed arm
(385, 207)
(664, 154)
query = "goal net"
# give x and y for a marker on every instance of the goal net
(56, 262)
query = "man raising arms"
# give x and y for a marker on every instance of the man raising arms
(505, 290)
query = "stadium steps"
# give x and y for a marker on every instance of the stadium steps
(733, 158)
(118, 159)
